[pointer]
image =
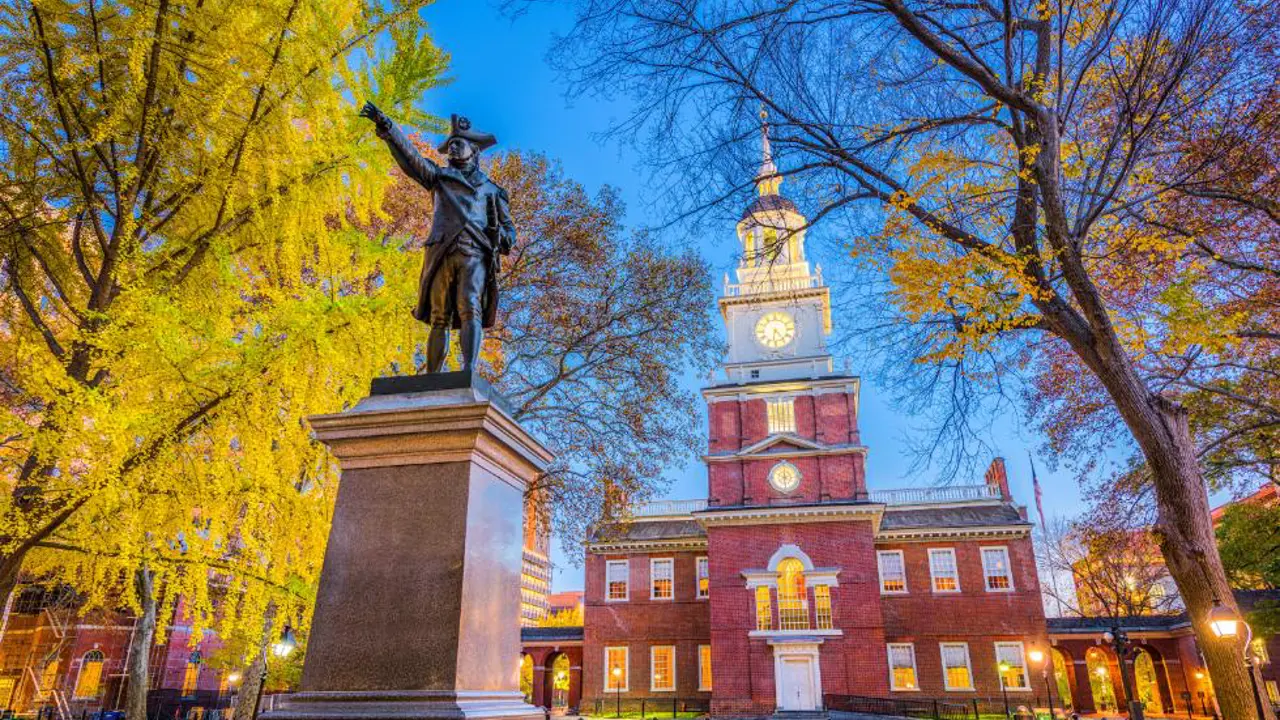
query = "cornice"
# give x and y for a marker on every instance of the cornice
(626, 547)
(945, 533)
(805, 386)
(783, 454)
(773, 514)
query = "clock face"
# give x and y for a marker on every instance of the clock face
(784, 477)
(775, 330)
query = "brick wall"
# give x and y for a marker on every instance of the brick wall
(640, 623)
(973, 615)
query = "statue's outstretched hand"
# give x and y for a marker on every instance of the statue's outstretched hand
(371, 112)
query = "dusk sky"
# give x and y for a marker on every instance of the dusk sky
(502, 81)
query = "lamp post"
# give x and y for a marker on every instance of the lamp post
(1039, 656)
(282, 648)
(1003, 667)
(1225, 624)
(1118, 639)
(617, 686)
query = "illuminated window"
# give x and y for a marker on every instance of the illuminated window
(87, 683)
(1259, 647)
(49, 678)
(764, 609)
(1273, 692)
(942, 568)
(662, 668)
(782, 415)
(615, 665)
(662, 579)
(793, 601)
(893, 572)
(1011, 654)
(822, 607)
(704, 667)
(704, 578)
(956, 673)
(191, 678)
(902, 666)
(617, 578)
(995, 568)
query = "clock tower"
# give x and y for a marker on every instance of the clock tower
(776, 310)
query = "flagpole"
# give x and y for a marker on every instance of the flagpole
(1044, 529)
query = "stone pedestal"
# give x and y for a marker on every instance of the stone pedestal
(418, 612)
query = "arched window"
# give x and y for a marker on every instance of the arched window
(1148, 687)
(90, 679)
(1104, 696)
(191, 678)
(793, 601)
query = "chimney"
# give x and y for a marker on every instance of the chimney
(997, 476)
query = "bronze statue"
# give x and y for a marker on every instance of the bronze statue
(470, 227)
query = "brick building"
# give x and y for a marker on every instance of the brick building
(793, 580)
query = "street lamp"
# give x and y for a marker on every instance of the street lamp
(1225, 624)
(617, 686)
(282, 648)
(1004, 668)
(1038, 656)
(1118, 639)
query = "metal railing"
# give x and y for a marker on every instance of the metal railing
(897, 496)
(902, 707)
(924, 496)
(654, 707)
(770, 285)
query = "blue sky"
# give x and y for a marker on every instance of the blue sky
(501, 80)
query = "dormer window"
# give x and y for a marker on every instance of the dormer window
(782, 415)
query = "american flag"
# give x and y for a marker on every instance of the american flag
(1035, 483)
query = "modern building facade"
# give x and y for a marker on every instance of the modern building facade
(793, 579)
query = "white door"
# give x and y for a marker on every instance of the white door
(798, 692)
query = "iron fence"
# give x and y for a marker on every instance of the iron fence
(651, 707)
(978, 708)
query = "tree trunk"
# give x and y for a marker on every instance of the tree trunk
(144, 634)
(1184, 525)
(256, 674)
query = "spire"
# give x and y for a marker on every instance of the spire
(767, 178)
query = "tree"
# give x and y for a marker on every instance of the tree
(1006, 155)
(596, 327)
(179, 289)
(1115, 569)
(1249, 540)
(569, 617)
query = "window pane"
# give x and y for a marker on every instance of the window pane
(995, 566)
(664, 668)
(893, 576)
(942, 566)
(663, 581)
(90, 675)
(955, 663)
(764, 610)
(822, 607)
(704, 667)
(902, 660)
(617, 577)
(616, 668)
(704, 578)
(1011, 654)
(782, 416)
(793, 605)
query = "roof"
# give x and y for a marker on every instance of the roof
(958, 516)
(550, 634)
(766, 203)
(1248, 600)
(639, 530)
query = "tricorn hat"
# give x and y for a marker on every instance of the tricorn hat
(461, 127)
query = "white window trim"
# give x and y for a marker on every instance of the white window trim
(702, 682)
(611, 563)
(653, 673)
(968, 663)
(955, 562)
(653, 562)
(1008, 563)
(914, 669)
(697, 579)
(1026, 672)
(626, 668)
(880, 570)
